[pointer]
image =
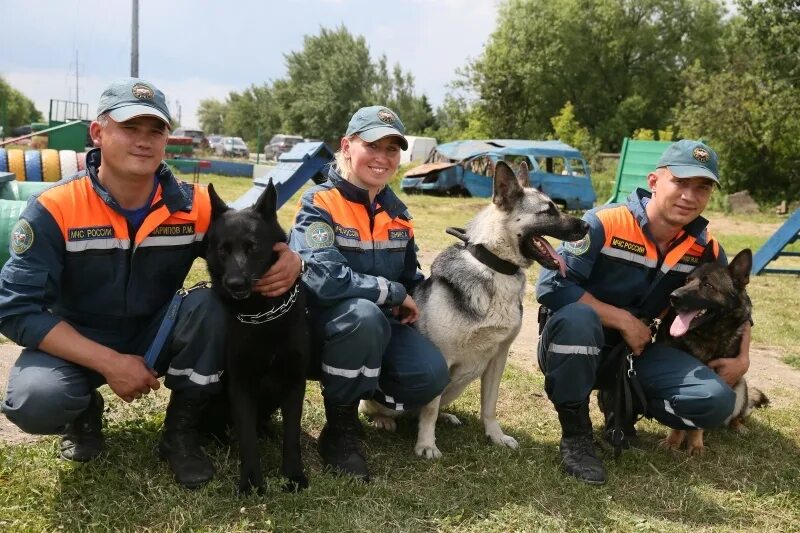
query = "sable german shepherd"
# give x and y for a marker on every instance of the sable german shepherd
(471, 306)
(710, 312)
(268, 347)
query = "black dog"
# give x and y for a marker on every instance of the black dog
(268, 343)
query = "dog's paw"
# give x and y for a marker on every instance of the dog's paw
(504, 440)
(695, 449)
(245, 488)
(428, 451)
(674, 440)
(450, 419)
(384, 422)
(296, 484)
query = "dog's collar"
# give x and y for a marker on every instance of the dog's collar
(276, 312)
(482, 254)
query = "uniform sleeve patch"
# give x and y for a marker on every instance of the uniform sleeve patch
(21, 237)
(578, 247)
(319, 235)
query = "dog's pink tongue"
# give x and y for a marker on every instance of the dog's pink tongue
(681, 323)
(562, 266)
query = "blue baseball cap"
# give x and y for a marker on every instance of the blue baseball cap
(133, 97)
(376, 122)
(690, 159)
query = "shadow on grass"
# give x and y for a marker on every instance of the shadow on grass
(742, 482)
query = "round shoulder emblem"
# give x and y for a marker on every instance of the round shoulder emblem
(386, 116)
(578, 247)
(319, 235)
(21, 237)
(142, 92)
(701, 154)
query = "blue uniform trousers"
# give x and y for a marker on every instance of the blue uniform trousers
(367, 355)
(681, 391)
(46, 392)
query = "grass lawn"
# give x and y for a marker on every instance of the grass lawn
(747, 482)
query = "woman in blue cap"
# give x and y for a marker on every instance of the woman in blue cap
(357, 240)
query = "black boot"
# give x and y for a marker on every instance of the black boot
(577, 444)
(605, 401)
(83, 437)
(340, 441)
(180, 442)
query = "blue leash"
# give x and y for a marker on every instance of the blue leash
(168, 323)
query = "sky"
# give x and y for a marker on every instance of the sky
(200, 49)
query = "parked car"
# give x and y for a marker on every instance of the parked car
(198, 137)
(466, 168)
(280, 144)
(214, 140)
(232, 147)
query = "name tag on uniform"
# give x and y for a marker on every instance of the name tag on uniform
(90, 233)
(173, 230)
(398, 235)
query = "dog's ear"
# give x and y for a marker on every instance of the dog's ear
(740, 267)
(708, 255)
(218, 205)
(266, 206)
(507, 190)
(522, 175)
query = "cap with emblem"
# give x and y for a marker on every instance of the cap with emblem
(376, 122)
(690, 159)
(133, 97)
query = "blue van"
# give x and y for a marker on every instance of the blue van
(466, 168)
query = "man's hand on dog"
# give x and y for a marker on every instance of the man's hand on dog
(407, 311)
(129, 377)
(281, 276)
(730, 369)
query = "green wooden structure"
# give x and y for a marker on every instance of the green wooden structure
(636, 160)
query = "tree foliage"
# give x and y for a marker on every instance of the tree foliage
(750, 111)
(16, 109)
(326, 81)
(617, 61)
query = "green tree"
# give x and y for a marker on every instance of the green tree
(749, 112)
(617, 61)
(211, 115)
(16, 109)
(567, 129)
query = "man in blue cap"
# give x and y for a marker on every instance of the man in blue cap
(95, 262)
(619, 278)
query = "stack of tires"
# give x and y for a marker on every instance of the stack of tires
(179, 147)
(41, 165)
(35, 170)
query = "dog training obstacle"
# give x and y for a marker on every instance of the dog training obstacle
(637, 159)
(305, 161)
(774, 247)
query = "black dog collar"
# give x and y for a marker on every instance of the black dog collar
(289, 298)
(482, 254)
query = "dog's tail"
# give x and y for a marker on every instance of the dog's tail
(756, 398)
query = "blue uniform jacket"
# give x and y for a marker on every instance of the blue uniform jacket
(353, 249)
(619, 264)
(75, 257)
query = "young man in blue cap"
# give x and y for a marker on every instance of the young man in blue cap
(95, 262)
(357, 238)
(619, 275)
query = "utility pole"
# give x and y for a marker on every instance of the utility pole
(77, 100)
(135, 40)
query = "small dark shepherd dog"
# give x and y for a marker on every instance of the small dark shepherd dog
(708, 318)
(268, 344)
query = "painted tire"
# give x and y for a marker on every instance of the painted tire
(3, 160)
(69, 163)
(51, 165)
(81, 160)
(33, 165)
(16, 163)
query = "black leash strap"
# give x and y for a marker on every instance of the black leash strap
(627, 393)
